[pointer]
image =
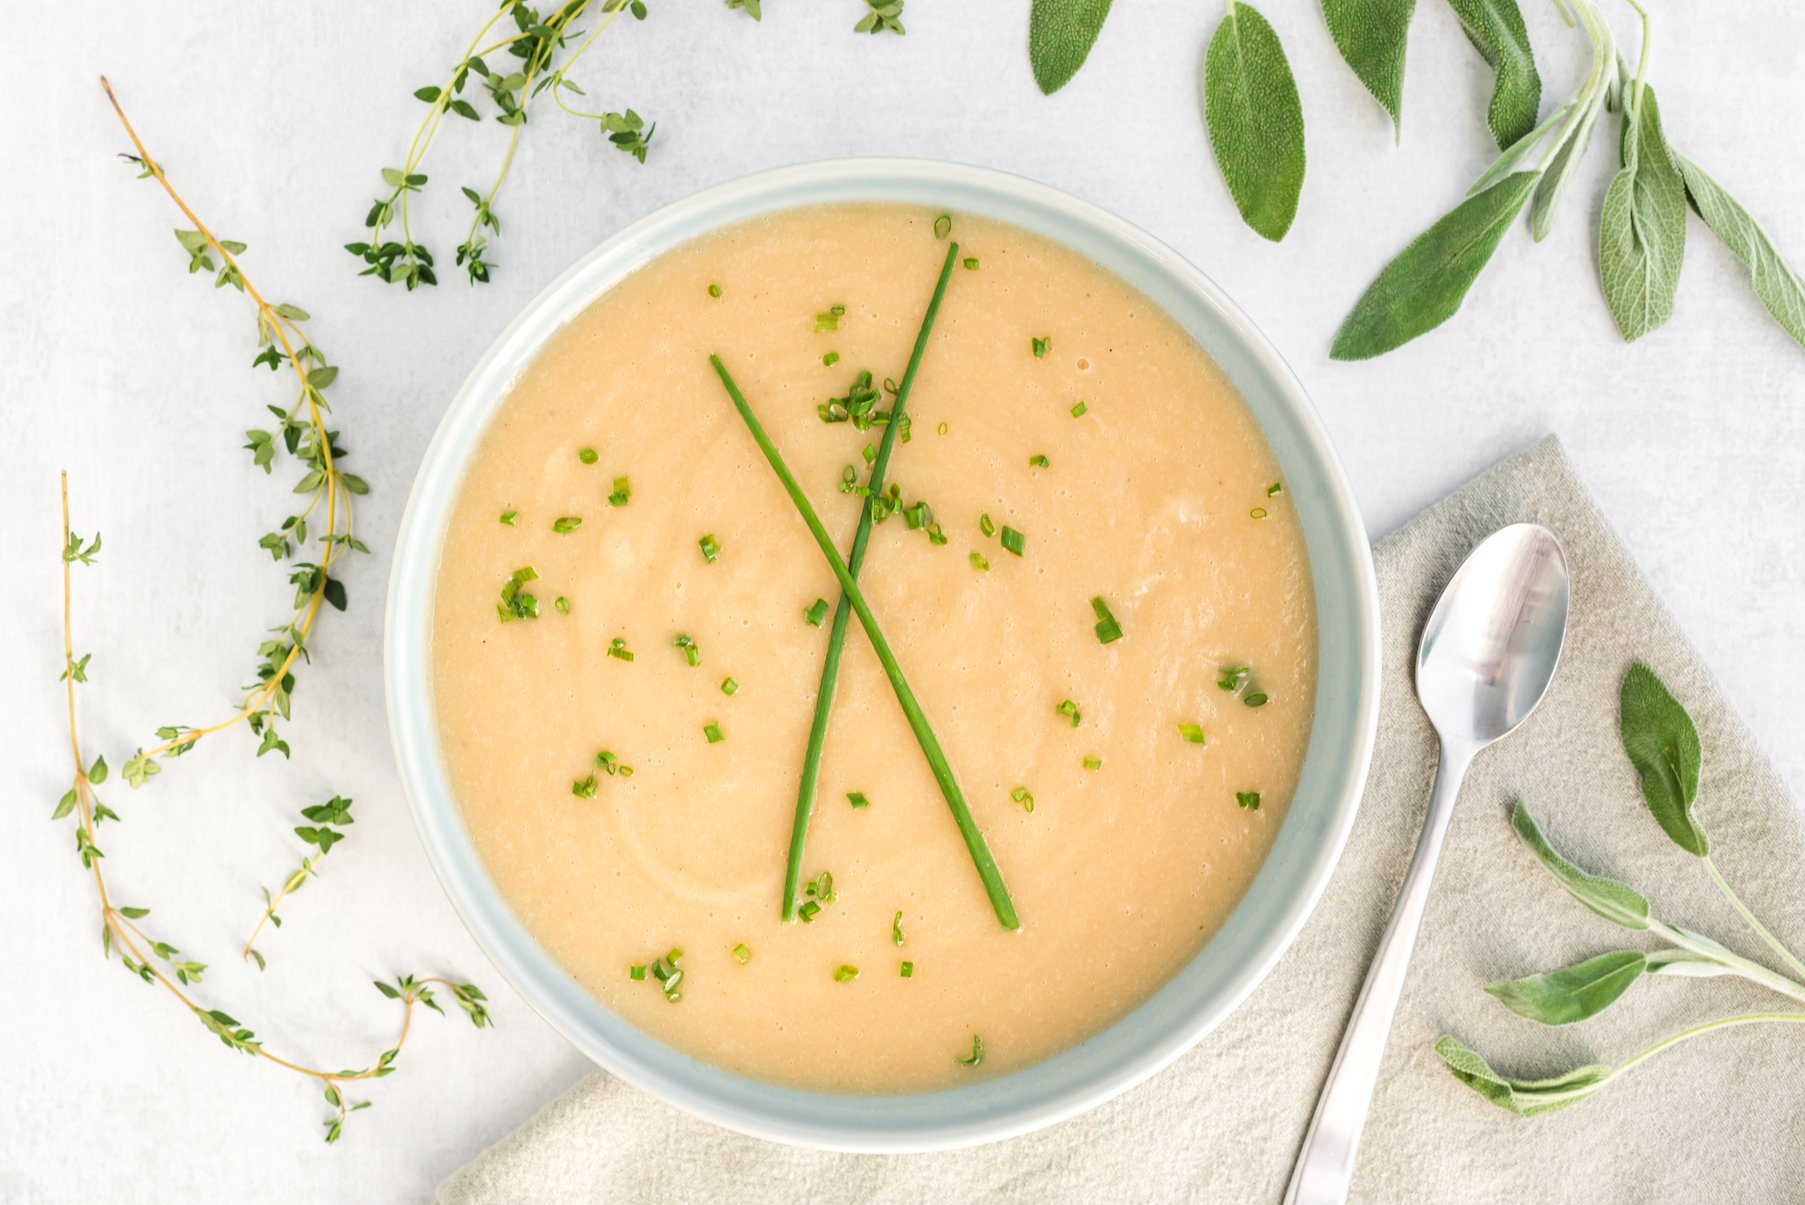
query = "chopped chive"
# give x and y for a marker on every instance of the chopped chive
(691, 652)
(857, 799)
(623, 492)
(831, 358)
(1069, 710)
(587, 456)
(1254, 698)
(896, 933)
(562, 603)
(713, 732)
(1013, 540)
(979, 563)
(612, 764)
(971, 263)
(583, 788)
(1258, 512)
(743, 953)
(816, 612)
(917, 516)
(943, 225)
(869, 453)
(1106, 627)
(1275, 489)
(1041, 347)
(1231, 677)
(617, 648)
(1039, 461)
(1079, 410)
(714, 290)
(636, 974)
(936, 537)
(906, 970)
(565, 524)
(1023, 796)
(669, 975)
(808, 911)
(977, 1052)
(1192, 733)
(509, 517)
(941, 429)
(728, 686)
(845, 973)
(1093, 763)
(890, 385)
(711, 548)
(830, 321)
(514, 603)
(985, 525)
(1248, 799)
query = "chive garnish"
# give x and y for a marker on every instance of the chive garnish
(1069, 710)
(1192, 733)
(1079, 409)
(1041, 347)
(971, 263)
(612, 764)
(1275, 489)
(688, 647)
(979, 563)
(514, 603)
(587, 456)
(728, 686)
(985, 525)
(808, 910)
(936, 537)
(714, 290)
(617, 648)
(830, 359)
(1232, 676)
(943, 225)
(941, 429)
(1013, 540)
(1248, 799)
(509, 517)
(1106, 627)
(917, 516)
(977, 1052)
(711, 548)
(1023, 796)
(906, 970)
(1093, 763)
(623, 492)
(743, 953)
(565, 524)
(636, 974)
(1258, 512)
(1038, 461)
(857, 799)
(1254, 698)
(896, 933)
(816, 894)
(854, 597)
(830, 321)
(816, 612)
(669, 976)
(562, 603)
(869, 453)
(845, 973)
(712, 731)
(583, 788)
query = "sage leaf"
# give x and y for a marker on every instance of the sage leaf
(1425, 284)
(1560, 168)
(1525, 1098)
(1060, 36)
(1370, 35)
(1495, 28)
(1663, 746)
(1255, 121)
(1776, 284)
(1686, 964)
(1642, 225)
(1516, 152)
(1572, 993)
(1608, 898)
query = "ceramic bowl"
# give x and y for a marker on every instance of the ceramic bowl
(1255, 934)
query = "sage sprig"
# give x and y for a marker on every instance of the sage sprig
(1371, 36)
(1060, 36)
(1662, 745)
(1495, 28)
(1255, 120)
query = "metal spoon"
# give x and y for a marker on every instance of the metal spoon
(1487, 655)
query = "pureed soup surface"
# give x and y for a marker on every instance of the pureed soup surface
(1157, 497)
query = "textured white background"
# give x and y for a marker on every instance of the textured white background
(274, 121)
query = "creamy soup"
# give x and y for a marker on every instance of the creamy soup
(1128, 789)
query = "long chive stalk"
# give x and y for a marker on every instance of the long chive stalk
(930, 745)
(836, 637)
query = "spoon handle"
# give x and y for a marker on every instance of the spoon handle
(1325, 1167)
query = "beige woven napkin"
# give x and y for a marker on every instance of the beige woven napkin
(1719, 1119)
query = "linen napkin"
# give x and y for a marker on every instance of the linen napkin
(1721, 1118)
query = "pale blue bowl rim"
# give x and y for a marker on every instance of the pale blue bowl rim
(1255, 935)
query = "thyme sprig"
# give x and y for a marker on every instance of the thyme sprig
(320, 834)
(159, 962)
(301, 433)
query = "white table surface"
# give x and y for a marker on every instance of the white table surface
(275, 119)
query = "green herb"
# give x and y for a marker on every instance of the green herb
(979, 563)
(584, 788)
(1256, 123)
(317, 832)
(669, 976)
(971, 263)
(687, 646)
(617, 648)
(711, 548)
(1642, 226)
(613, 765)
(924, 734)
(749, 7)
(1079, 410)
(508, 517)
(623, 492)
(830, 359)
(1038, 461)
(588, 456)
(845, 973)
(1106, 627)
(830, 321)
(1248, 799)
(941, 429)
(729, 686)
(1060, 36)
(1093, 763)
(1069, 710)
(1013, 541)
(943, 225)
(1662, 745)
(896, 930)
(1193, 733)
(1023, 796)
(906, 970)
(1495, 28)
(1040, 347)
(1777, 286)
(742, 953)
(977, 1052)
(815, 613)
(884, 16)
(566, 524)
(636, 973)
(712, 731)
(562, 604)
(714, 290)
(1275, 489)
(1254, 698)
(1258, 512)
(985, 525)
(857, 799)
(1232, 677)
(1370, 35)
(515, 603)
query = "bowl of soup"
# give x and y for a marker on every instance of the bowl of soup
(1114, 566)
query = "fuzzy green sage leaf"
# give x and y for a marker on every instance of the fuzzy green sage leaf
(1572, 993)
(1060, 36)
(1663, 746)
(1642, 225)
(1370, 35)
(1495, 28)
(1525, 1098)
(1255, 121)
(1777, 286)
(1608, 898)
